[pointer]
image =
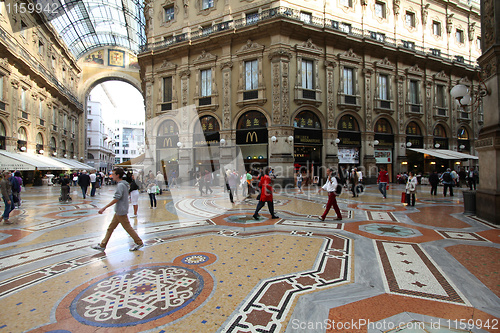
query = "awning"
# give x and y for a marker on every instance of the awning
(74, 164)
(137, 162)
(445, 154)
(28, 162)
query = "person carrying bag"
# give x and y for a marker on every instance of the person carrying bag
(411, 189)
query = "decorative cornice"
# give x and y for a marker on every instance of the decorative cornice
(329, 63)
(250, 47)
(185, 73)
(308, 46)
(280, 53)
(384, 63)
(205, 57)
(226, 65)
(415, 70)
(350, 56)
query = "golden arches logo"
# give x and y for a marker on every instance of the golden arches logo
(167, 142)
(252, 135)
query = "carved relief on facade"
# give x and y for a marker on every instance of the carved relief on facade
(285, 92)
(276, 93)
(330, 65)
(184, 75)
(449, 23)
(226, 94)
(428, 104)
(488, 22)
(401, 104)
(368, 98)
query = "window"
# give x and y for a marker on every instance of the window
(346, 3)
(206, 82)
(440, 100)
(436, 28)
(345, 27)
(65, 121)
(167, 89)
(380, 9)
(252, 18)
(348, 81)
(460, 36)
(306, 17)
(478, 43)
(307, 74)
(383, 87)
(64, 73)
(117, 151)
(251, 75)
(410, 19)
(1, 87)
(117, 160)
(53, 61)
(413, 92)
(54, 116)
(40, 109)
(168, 13)
(205, 4)
(40, 47)
(23, 99)
(73, 125)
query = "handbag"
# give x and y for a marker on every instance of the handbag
(403, 197)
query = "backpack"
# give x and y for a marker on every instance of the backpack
(447, 177)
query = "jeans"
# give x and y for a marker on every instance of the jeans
(152, 199)
(84, 191)
(434, 188)
(446, 186)
(8, 207)
(92, 188)
(261, 204)
(382, 187)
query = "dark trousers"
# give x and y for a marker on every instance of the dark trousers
(84, 190)
(353, 189)
(261, 204)
(446, 186)
(230, 193)
(410, 198)
(332, 201)
(152, 199)
(472, 182)
(434, 188)
(92, 189)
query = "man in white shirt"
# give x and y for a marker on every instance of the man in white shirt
(330, 186)
(93, 180)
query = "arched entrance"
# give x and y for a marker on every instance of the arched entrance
(350, 141)
(252, 139)
(307, 145)
(167, 152)
(206, 142)
(440, 137)
(414, 139)
(39, 143)
(384, 150)
(463, 140)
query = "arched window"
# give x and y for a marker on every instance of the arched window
(71, 150)
(306, 119)
(168, 127)
(463, 134)
(209, 124)
(383, 126)
(3, 134)
(252, 120)
(348, 123)
(439, 131)
(21, 134)
(39, 139)
(90, 156)
(52, 144)
(63, 146)
(413, 129)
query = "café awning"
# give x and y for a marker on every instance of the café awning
(74, 164)
(28, 162)
(445, 154)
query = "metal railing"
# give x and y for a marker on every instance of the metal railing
(295, 15)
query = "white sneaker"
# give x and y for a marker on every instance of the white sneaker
(133, 216)
(136, 247)
(98, 247)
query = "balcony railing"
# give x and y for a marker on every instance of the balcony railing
(294, 15)
(350, 99)
(166, 106)
(250, 94)
(205, 101)
(308, 94)
(441, 111)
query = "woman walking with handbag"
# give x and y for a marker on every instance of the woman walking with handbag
(411, 188)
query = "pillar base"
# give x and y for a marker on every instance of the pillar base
(488, 206)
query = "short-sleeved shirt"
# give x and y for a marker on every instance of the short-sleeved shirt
(121, 194)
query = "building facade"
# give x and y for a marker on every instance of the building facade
(313, 84)
(129, 139)
(100, 139)
(40, 112)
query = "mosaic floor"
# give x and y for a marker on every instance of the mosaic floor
(208, 266)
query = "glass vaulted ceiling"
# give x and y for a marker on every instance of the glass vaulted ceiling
(88, 24)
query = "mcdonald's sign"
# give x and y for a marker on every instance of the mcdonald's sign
(169, 141)
(251, 137)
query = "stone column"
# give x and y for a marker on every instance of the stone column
(488, 145)
(281, 151)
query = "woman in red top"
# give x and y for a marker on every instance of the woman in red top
(266, 195)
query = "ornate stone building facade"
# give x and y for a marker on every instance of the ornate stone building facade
(312, 83)
(40, 112)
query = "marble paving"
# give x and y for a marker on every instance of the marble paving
(208, 266)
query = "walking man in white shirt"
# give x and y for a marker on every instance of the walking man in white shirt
(330, 186)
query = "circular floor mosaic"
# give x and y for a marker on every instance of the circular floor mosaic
(137, 296)
(389, 230)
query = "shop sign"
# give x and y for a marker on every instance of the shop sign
(350, 138)
(206, 139)
(442, 142)
(383, 156)
(349, 155)
(385, 140)
(308, 137)
(251, 137)
(169, 141)
(416, 141)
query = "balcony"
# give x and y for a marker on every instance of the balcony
(166, 106)
(308, 94)
(250, 94)
(350, 99)
(205, 101)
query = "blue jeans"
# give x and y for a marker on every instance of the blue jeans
(84, 190)
(382, 187)
(8, 207)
